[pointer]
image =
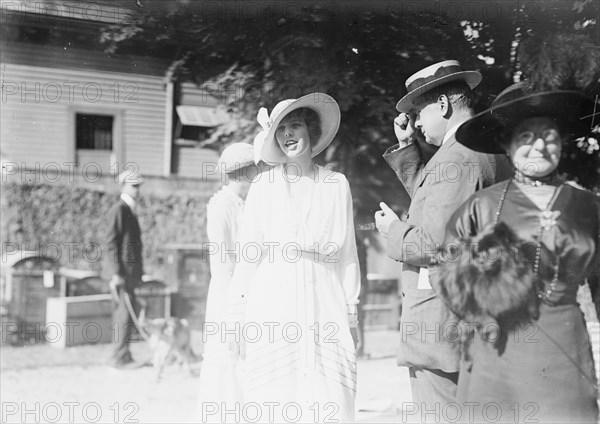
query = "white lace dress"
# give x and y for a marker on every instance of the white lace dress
(297, 278)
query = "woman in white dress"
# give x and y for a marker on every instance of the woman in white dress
(295, 290)
(219, 388)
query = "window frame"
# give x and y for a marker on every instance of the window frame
(112, 130)
(117, 154)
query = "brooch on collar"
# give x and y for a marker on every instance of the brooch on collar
(548, 219)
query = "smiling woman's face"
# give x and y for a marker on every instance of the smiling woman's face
(535, 147)
(292, 136)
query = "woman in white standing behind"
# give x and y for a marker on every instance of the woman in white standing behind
(294, 292)
(219, 388)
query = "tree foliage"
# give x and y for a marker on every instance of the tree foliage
(252, 55)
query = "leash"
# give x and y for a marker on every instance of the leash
(133, 316)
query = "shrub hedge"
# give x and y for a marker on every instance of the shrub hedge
(67, 222)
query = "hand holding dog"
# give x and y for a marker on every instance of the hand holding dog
(114, 284)
(116, 281)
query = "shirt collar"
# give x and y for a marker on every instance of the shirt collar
(451, 132)
(129, 200)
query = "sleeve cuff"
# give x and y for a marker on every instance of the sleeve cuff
(395, 237)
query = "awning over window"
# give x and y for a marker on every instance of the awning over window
(201, 116)
(198, 108)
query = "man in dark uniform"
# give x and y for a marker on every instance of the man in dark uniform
(123, 265)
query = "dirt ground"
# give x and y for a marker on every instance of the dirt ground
(42, 383)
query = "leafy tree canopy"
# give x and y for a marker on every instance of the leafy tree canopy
(254, 54)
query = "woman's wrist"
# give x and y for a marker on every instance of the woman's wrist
(353, 321)
(352, 311)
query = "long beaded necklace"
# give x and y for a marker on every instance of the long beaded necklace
(547, 221)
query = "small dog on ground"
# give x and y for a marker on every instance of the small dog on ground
(170, 339)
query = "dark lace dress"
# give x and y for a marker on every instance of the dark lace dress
(545, 370)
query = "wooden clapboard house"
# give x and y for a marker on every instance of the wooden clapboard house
(69, 107)
(65, 101)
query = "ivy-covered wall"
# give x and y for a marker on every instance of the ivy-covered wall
(67, 222)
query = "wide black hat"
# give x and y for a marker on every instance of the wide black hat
(571, 110)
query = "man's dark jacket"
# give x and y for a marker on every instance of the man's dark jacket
(123, 255)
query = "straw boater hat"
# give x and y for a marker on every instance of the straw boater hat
(235, 157)
(131, 178)
(571, 110)
(266, 147)
(433, 76)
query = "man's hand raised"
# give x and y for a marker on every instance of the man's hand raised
(404, 128)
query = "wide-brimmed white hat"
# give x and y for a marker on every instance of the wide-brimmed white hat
(236, 156)
(434, 76)
(266, 147)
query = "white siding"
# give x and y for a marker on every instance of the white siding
(67, 57)
(38, 108)
(70, 9)
(196, 163)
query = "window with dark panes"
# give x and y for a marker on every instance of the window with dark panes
(94, 132)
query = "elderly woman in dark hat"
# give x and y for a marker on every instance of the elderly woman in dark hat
(525, 246)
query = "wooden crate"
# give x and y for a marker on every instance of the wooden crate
(77, 320)
(28, 279)
(157, 297)
(188, 275)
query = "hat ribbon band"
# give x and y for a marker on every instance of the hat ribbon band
(440, 72)
(263, 119)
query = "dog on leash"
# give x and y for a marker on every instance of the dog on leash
(170, 339)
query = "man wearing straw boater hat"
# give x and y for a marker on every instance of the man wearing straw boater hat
(438, 101)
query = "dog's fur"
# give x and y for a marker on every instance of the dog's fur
(488, 282)
(170, 339)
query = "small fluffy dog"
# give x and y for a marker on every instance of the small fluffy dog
(488, 282)
(170, 339)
